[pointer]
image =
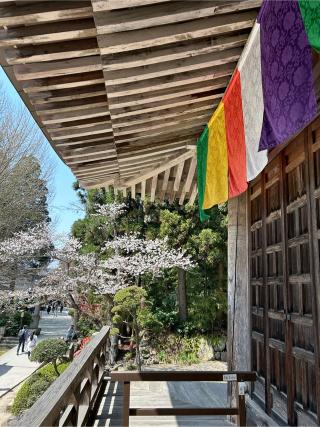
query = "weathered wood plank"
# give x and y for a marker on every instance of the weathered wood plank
(212, 100)
(52, 51)
(142, 99)
(182, 51)
(46, 33)
(58, 68)
(161, 83)
(44, 13)
(163, 35)
(70, 116)
(103, 5)
(145, 175)
(174, 67)
(64, 82)
(170, 13)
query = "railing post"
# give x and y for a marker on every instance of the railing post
(126, 404)
(241, 403)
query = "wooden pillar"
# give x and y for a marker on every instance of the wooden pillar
(182, 295)
(239, 341)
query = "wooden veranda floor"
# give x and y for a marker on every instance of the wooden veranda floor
(148, 395)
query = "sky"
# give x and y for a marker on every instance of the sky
(64, 206)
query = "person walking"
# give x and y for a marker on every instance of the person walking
(32, 342)
(22, 335)
(61, 308)
(48, 309)
(70, 333)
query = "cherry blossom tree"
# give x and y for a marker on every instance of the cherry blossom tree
(26, 244)
(135, 257)
(78, 276)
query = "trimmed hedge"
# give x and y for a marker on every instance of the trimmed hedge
(34, 387)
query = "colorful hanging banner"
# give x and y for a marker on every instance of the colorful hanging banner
(271, 97)
(286, 66)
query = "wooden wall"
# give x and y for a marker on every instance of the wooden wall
(284, 244)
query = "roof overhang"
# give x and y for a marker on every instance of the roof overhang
(123, 88)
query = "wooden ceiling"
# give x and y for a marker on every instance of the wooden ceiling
(123, 88)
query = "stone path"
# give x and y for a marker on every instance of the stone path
(15, 369)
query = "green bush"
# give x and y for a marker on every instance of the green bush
(49, 351)
(86, 327)
(12, 322)
(34, 387)
(178, 349)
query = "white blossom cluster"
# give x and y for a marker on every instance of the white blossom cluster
(25, 244)
(142, 256)
(78, 273)
(111, 211)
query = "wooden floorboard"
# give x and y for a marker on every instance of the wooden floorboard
(149, 395)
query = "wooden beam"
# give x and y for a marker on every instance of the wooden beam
(70, 116)
(52, 52)
(166, 179)
(43, 12)
(163, 15)
(152, 159)
(166, 132)
(173, 68)
(162, 118)
(161, 168)
(161, 83)
(183, 51)
(90, 151)
(79, 124)
(203, 118)
(48, 33)
(87, 159)
(72, 134)
(143, 190)
(164, 35)
(128, 153)
(67, 94)
(58, 68)
(135, 100)
(64, 82)
(178, 176)
(212, 100)
(193, 195)
(80, 141)
(153, 187)
(133, 191)
(144, 164)
(189, 179)
(103, 5)
(76, 105)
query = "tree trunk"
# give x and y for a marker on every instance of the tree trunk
(54, 362)
(137, 338)
(220, 274)
(182, 295)
(239, 342)
(76, 317)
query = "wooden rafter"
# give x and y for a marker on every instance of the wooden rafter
(123, 88)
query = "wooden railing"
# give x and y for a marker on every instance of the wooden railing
(71, 398)
(239, 377)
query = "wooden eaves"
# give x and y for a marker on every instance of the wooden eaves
(123, 88)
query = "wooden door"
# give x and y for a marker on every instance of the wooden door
(284, 254)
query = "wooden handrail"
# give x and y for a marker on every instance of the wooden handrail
(69, 400)
(239, 377)
(183, 376)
